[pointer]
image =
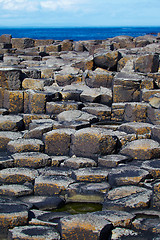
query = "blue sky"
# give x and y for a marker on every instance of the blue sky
(70, 13)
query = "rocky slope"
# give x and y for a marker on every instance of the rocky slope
(80, 122)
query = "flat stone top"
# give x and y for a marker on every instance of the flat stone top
(11, 208)
(35, 232)
(144, 144)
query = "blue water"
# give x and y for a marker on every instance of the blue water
(78, 33)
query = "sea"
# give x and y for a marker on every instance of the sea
(79, 33)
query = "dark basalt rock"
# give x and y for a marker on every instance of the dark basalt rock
(79, 126)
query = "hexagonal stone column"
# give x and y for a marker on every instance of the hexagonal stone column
(31, 159)
(34, 233)
(25, 145)
(57, 142)
(91, 142)
(13, 214)
(127, 198)
(10, 78)
(142, 149)
(11, 123)
(84, 227)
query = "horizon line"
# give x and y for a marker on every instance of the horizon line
(132, 26)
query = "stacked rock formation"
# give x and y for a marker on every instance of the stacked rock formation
(80, 122)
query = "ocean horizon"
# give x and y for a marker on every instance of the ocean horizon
(77, 33)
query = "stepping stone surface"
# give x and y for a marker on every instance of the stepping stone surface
(127, 198)
(84, 226)
(34, 233)
(31, 159)
(25, 145)
(142, 149)
(17, 175)
(13, 214)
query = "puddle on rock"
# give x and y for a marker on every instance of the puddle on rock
(76, 208)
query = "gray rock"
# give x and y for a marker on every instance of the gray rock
(90, 175)
(34, 232)
(11, 123)
(31, 159)
(137, 128)
(156, 133)
(142, 149)
(76, 115)
(38, 132)
(49, 185)
(107, 60)
(152, 167)
(77, 162)
(10, 78)
(127, 175)
(102, 112)
(127, 198)
(43, 202)
(6, 137)
(13, 214)
(91, 142)
(85, 226)
(25, 145)
(15, 190)
(17, 175)
(54, 108)
(60, 139)
(117, 218)
(112, 160)
(120, 233)
(154, 101)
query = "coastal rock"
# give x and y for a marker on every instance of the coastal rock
(92, 142)
(43, 202)
(51, 185)
(90, 175)
(127, 175)
(76, 115)
(107, 60)
(10, 78)
(31, 159)
(147, 63)
(112, 160)
(60, 139)
(142, 149)
(25, 145)
(127, 197)
(17, 175)
(5, 38)
(77, 162)
(11, 123)
(14, 101)
(15, 190)
(13, 214)
(99, 78)
(34, 233)
(6, 137)
(22, 43)
(117, 218)
(136, 112)
(85, 226)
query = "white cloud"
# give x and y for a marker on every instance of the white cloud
(16, 5)
(62, 4)
(33, 5)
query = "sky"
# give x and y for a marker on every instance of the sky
(79, 13)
